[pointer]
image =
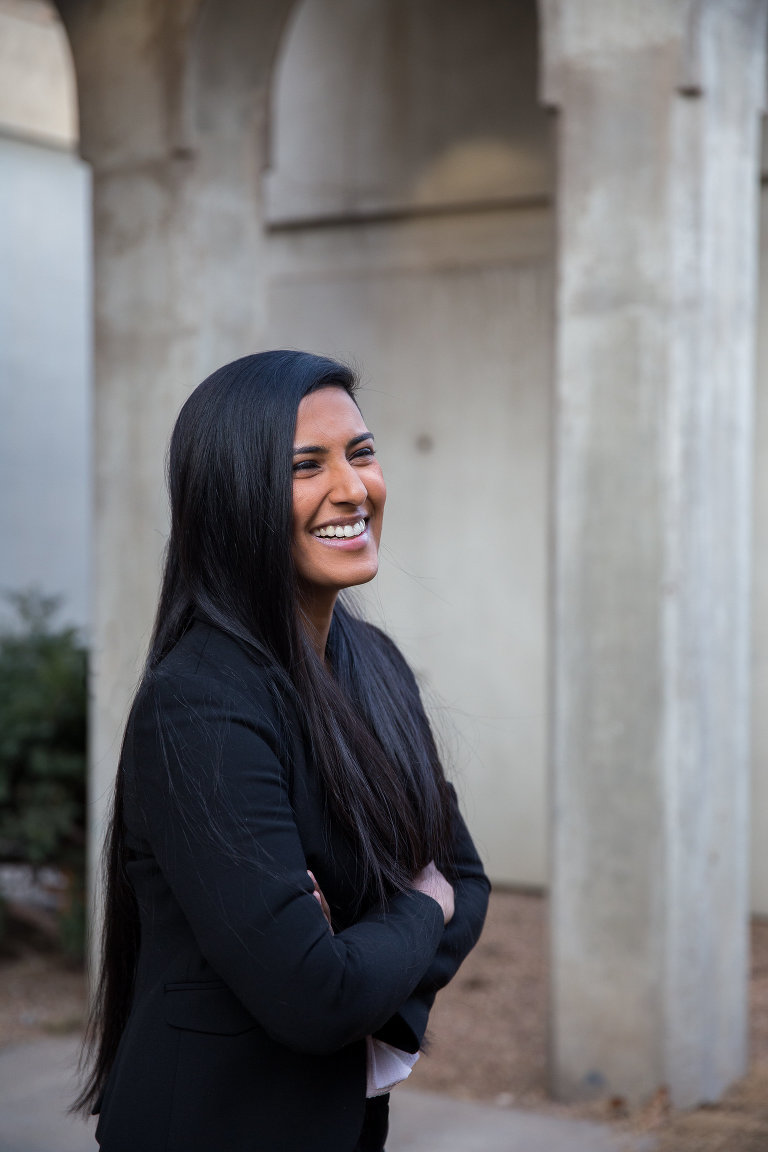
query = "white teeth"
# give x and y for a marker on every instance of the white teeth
(341, 532)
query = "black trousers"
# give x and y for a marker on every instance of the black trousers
(375, 1125)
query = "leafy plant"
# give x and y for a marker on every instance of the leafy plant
(42, 746)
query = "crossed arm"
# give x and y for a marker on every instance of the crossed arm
(208, 794)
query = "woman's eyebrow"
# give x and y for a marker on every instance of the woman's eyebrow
(359, 439)
(301, 449)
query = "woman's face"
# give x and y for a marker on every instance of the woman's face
(338, 494)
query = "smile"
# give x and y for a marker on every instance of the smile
(340, 532)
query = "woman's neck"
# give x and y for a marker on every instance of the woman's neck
(317, 612)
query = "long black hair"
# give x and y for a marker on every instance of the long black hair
(229, 562)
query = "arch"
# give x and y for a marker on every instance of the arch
(37, 82)
(385, 106)
(234, 44)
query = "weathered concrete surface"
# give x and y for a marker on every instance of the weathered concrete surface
(759, 799)
(36, 1085)
(657, 203)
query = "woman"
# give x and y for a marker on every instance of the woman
(289, 879)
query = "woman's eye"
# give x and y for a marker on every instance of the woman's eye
(305, 465)
(363, 452)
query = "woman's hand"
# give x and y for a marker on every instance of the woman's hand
(432, 883)
(318, 895)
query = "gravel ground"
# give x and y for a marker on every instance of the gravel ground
(488, 1034)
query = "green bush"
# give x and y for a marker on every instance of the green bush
(42, 749)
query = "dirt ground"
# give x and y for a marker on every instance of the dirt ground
(488, 1031)
(489, 1040)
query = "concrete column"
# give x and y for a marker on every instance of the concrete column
(657, 207)
(172, 97)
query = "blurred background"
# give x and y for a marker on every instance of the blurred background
(505, 216)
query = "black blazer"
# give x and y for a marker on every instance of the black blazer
(249, 1016)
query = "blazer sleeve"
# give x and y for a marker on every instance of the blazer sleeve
(406, 1028)
(203, 772)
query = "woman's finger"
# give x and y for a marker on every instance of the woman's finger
(321, 899)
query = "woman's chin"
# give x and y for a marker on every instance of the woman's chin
(362, 574)
(344, 569)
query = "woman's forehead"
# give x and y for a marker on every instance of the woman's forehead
(328, 412)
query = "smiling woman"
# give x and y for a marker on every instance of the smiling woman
(338, 503)
(289, 879)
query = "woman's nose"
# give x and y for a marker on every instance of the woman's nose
(348, 486)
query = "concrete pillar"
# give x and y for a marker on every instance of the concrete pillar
(172, 97)
(657, 208)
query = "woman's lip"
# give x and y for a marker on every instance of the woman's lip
(347, 543)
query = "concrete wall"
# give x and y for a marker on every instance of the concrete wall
(411, 234)
(759, 810)
(45, 329)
